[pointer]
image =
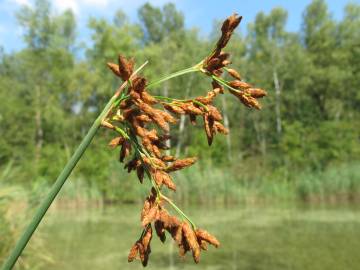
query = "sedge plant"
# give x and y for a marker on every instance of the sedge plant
(141, 124)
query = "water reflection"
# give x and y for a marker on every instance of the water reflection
(251, 237)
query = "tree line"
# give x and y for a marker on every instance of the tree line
(53, 88)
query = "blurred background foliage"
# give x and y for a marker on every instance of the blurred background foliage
(309, 128)
(304, 144)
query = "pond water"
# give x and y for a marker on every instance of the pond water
(251, 238)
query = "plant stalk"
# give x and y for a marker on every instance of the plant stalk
(169, 201)
(44, 206)
(173, 75)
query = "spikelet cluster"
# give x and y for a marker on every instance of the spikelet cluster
(142, 122)
(218, 61)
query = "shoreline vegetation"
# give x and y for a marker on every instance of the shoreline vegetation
(303, 145)
(339, 185)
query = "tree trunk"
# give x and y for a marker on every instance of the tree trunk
(182, 119)
(226, 124)
(260, 138)
(278, 101)
(39, 134)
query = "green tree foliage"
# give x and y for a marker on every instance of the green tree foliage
(309, 122)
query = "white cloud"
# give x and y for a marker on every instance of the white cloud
(95, 3)
(62, 5)
(22, 2)
(78, 5)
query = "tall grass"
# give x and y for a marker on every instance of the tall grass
(211, 186)
(14, 209)
(336, 183)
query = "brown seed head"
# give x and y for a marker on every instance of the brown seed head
(133, 252)
(116, 141)
(147, 98)
(220, 128)
(189, 107)
(256, 92)
(149, 216)
(208, 126)
(147, 237)
(214, 113)
(140, 173)
(233, 73)
(216, 85)
(204, 235)
(114, 68)
(168, 158)
(191, 239)
(138, 84)
(125, 150)
(160, 230)
(143, 118)
(173, 108)
(125, 67)
(192, 118)
(181, 163)
(239, 84)
(169, 221)
(202, 244)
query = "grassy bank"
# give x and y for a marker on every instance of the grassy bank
(222, 186)
(200, 185)
(15, 210)
(214, 187)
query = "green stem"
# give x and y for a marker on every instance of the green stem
(44, 206)
(173, 75)
(178, 210)
(117, 102)
(171, 99)
(200, 104)
(223, 82)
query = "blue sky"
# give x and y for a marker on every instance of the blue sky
(197, 13)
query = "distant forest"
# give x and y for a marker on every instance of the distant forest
(307, 135)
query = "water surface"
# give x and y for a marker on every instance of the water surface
(251, 237)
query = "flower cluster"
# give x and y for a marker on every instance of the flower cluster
(186, 236)
(218, 61)
(142, 122)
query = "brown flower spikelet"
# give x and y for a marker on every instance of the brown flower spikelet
(140, 173)
(116, 141)
(192, 241)
(147, 206)
(125, 67)
(256, 92)
(181, 163)
(239, 84)
(160, 230)
(133, 252)
(174, 108)
(146, 118)
(147, 237)
(204, 235)
(149, 216)
(114, 68)
(233, 73)
(125, 150)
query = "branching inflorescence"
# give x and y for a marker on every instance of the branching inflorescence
(141, 122)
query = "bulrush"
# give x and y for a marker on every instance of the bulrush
(142, 123)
